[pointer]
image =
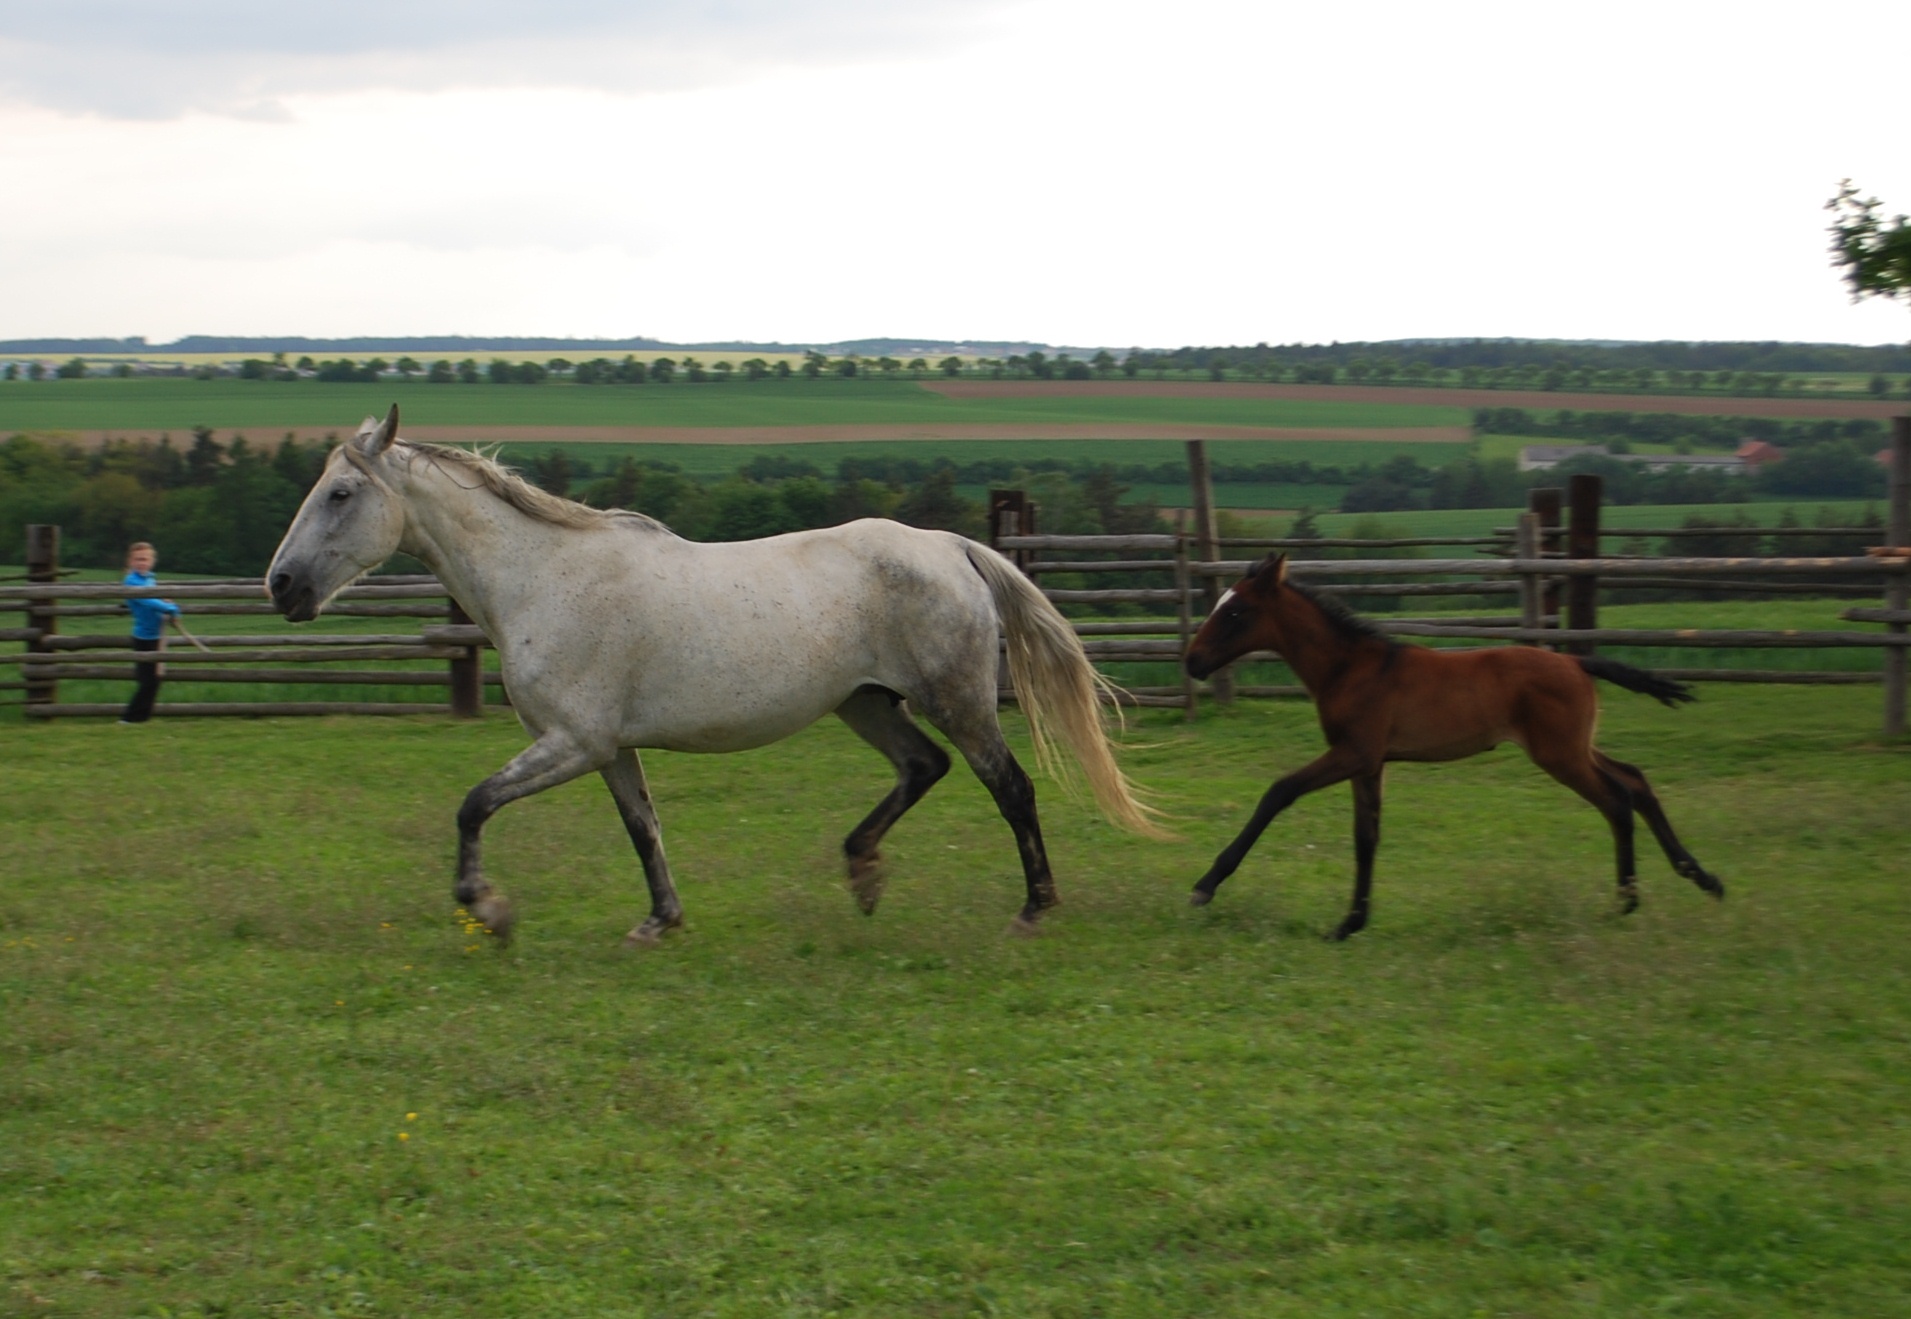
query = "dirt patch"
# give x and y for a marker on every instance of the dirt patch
(858, 434)
(1421, 396)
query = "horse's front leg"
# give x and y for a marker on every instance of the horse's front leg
(553, 759)
(625, 778)
(1337, 765)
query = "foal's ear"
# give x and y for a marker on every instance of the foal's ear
(378, 435)
(1272, 569)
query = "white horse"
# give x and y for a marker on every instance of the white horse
(615, 634)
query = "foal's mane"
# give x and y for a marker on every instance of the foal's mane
(521, 494)
(1346, 624)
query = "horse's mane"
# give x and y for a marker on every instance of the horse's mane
(522, 495)
(1347, 625)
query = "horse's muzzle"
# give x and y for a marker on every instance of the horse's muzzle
(1198, 665)
(294, 599)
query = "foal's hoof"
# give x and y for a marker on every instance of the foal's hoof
(1349, 927)
(651, 932)
(496, 914)
(1628, 899)
(866, 882)
(1025, 926)
(1200, 898)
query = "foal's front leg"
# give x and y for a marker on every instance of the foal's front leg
(1337, 765)
(1366, 843)
(625, 778)
(553, 759)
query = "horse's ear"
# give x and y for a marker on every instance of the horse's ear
(1272, 569)
(378, 435)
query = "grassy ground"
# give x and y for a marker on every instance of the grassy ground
(80, 405)
(255, 1066)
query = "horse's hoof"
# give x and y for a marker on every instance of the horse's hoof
(1345, 931)
(496, 914)
(1025, 926)
(866, 882)
(1628, 899)
(650, 933)
(1200, 898)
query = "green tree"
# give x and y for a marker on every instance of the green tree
(440, 374)
(73, 370)
(1875, 254)
(408, 367)
(950, 366)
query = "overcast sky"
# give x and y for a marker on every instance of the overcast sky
(1107, 173)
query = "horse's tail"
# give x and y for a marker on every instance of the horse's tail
(1059, 690)
(1664, 690)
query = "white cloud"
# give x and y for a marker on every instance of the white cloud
(136, 59)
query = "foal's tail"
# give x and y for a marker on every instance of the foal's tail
(1058, 688)
(1664, 690)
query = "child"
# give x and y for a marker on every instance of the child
(149, 630)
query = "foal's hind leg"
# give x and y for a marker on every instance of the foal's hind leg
(1613, 800)
(878, 718)
(553, 759)
(1646, 802)
(624, 776)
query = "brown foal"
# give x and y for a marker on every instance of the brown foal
(1379, 701)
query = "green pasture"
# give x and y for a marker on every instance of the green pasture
(254, 1065)
(1483, 521)
(263, 405)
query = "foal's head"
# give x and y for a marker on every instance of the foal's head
(350, 523)
(1246, 619)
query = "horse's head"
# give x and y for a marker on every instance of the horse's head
(350, 523)
(1242, 621)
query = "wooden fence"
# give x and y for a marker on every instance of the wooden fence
(1548, 575)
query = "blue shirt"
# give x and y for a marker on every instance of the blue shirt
(149, 616)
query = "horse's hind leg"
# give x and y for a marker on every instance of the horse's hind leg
(878, 718)
(1646, 802)
(624, 776)
(1366, 843)
(553, 759)
(1578, 771)
(978, 737)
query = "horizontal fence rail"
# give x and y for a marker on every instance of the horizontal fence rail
(1543, 576)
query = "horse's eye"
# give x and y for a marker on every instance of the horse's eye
(341, 493)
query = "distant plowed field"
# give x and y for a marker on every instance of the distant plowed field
(1408, 395)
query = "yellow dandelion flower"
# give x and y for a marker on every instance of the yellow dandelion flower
(411, 1117)
(404, 1135)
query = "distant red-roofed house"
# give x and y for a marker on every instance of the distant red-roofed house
(1756, 453)
(1884, 457)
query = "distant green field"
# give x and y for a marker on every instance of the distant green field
(82, 405)
(1481, 521)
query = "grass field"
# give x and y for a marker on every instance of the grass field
(254, 1066)
(83, 405)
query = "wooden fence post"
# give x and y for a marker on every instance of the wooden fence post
(1011, 514)
(1184, 591)
(1532, 592)
(1544, 501)
(43, 565)
(1897, 592)
(1208, 546)
(467, 674)
(1583, 493)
